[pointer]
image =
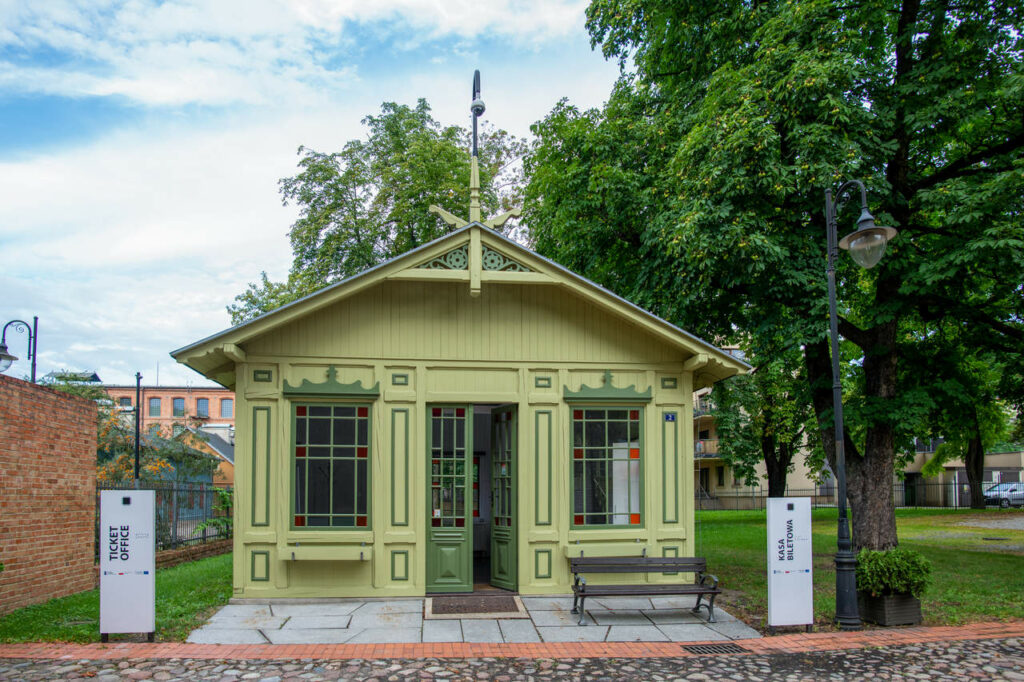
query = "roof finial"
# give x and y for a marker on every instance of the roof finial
(477, 107)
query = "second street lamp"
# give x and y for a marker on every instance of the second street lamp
(866, 246)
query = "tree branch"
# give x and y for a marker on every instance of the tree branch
(962, 166)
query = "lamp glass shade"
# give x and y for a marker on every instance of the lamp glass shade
(867, 245)
(867, 249)
(6, 359)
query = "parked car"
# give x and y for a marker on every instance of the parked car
(1006, 494)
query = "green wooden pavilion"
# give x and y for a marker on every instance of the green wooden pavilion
(468, 414)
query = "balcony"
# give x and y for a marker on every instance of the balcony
(701, 407)
(706, 448)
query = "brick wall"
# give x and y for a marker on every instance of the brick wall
(47, 493)
(173, 557)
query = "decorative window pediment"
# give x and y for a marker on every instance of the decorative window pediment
(332, 387)
(607, 393)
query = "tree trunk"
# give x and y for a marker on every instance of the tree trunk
(974, 461)
(776, 462)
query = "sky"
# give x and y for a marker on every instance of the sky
(141, 143)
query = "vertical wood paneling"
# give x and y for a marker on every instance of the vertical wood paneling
(260, 491)
(542, 467)
(441, 320)
(400, 466)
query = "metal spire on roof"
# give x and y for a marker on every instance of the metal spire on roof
(478, 108)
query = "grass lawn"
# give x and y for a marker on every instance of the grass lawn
(978, 572)
(185, 595)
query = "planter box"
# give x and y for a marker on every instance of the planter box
(889, 609)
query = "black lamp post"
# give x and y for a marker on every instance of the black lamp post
(866, 246)
(6, 358)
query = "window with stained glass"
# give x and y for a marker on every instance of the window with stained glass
(448, 466)
(332, 466)
(607, 466)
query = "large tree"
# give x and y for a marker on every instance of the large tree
(730, 120)
(369, 202)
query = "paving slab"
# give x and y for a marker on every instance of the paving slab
(621, 603)
(666, 602)
(386, 620)
(481, 631)
(518, 630)
(547, 603)
(338, 609)
(670, 616)
(244, 610)
(391, 606)
(574, 633)
(442, 631)
(311, 636)
(557, 618)
(620, 618)
(635, 633)
(225, 636)
(691, 633)
(317, 622)
(219, 622)
(734, 629)
(387, 636)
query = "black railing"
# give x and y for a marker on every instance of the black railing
(905, 495)
(182, 510)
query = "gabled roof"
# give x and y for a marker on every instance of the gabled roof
(216, 355)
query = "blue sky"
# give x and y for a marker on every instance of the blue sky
(141, 143)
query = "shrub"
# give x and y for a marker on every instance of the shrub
(893, 571)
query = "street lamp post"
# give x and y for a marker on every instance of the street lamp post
(6, 358)
(866, 246)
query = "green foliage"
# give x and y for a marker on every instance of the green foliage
(224, 514)
(766, 416)
(185, 594)
(369, 202)
(697, 190)
(893, 571)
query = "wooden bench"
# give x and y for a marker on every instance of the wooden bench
(706, 584)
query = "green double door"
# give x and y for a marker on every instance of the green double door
(450, 499)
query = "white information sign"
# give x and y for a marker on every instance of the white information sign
(790, 581)
(127, 561)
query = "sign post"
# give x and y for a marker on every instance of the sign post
(790, 580)
(127, 562)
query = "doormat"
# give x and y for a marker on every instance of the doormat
(473, 606)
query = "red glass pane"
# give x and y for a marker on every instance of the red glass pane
(578, 453)
(460, 522)
(300, 521)
(476, 512)
(437, 413)
(578, 519)
(435, 522)
(460, 412)
(634, 519)
(362, 412)
(300, 452)
(362, 452)
(634, 414)
(577, 414)
(634, 453)
(361, 520)
(300, 411)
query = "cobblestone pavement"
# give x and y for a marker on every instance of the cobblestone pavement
(994, 659)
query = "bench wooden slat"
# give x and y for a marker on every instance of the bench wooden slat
(705, 585)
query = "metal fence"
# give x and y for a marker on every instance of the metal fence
(181, 511)
(905, 495)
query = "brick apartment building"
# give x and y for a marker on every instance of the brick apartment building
(209, 409)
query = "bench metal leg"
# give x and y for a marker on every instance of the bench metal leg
(710, 606)
(575, 602)
(583, 613)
